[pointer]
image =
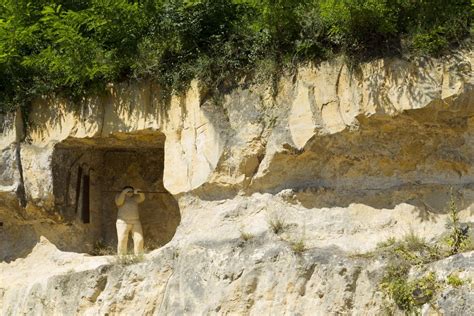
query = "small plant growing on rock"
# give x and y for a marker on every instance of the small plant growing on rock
(101, 249)
(126, 260)
(395, 285)
(387, 243)
(408, 295)
(425, 288)
(454, 280)
(417, 250)
(411, 250)
(151, 245)
(246, 236)
(413, 242)
(298, 246)
(458, 238)
(276, 225)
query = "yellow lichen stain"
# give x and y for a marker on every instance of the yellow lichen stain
(408, 165)
(290, 288)
(386, 166)
(269, 295)
(458, 167)
(389, 128)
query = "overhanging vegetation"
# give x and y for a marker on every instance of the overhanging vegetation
(75, 47)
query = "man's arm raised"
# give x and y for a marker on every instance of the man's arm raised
(120, 198)
(139, 196)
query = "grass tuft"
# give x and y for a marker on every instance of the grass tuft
(246, 236)
(277, 225)
(102, 249)
(126, 260)
(298, 246)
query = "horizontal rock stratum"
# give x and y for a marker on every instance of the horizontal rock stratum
(345, 157)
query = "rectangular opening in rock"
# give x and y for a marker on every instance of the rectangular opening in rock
(85, 192)
(88, 173)
(2, 123)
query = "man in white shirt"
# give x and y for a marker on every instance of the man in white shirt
(128, 220)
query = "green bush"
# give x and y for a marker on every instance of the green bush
(407, 294)
(361, 26)
(397, 287)
(458, 238)
(74, 47)
(431, 42)
(412, 251)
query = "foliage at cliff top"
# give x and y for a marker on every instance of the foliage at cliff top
(75, 47)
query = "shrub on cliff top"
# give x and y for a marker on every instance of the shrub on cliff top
(74, 47)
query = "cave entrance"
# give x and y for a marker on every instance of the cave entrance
(89, 172)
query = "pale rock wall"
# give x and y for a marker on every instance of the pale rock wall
(193, 143)
(11, 132)
(8, 169)
(330, 108)
(235, 143)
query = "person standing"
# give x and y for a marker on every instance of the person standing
(128, 220)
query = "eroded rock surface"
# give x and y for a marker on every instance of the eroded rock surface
(260, 276)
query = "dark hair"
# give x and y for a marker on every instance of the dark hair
(127, 187)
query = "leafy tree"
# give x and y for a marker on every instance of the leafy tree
(74, 47)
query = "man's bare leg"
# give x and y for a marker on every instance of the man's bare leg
(137, 238)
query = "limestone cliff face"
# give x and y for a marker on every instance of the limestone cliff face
(345, 157)
(382, 124)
